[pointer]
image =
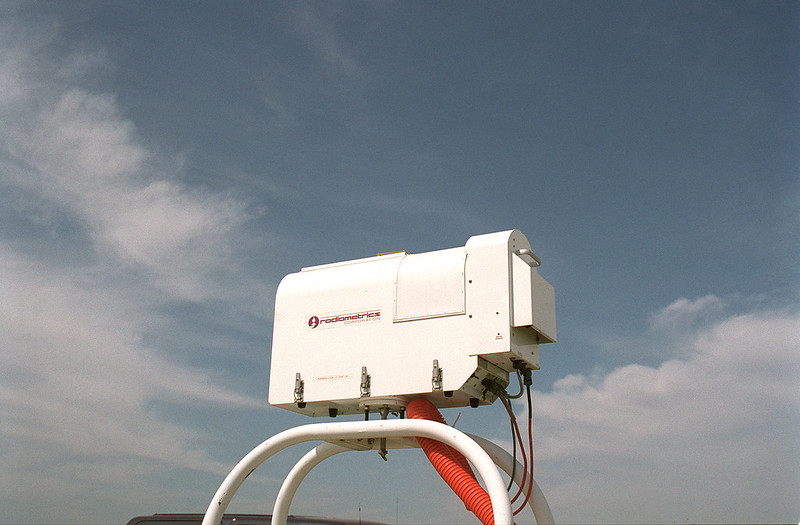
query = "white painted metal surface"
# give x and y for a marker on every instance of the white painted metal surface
(350, 332)
(362, 430)
(291, 483)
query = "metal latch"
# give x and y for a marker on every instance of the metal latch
(365, 382)
(299, 387)
(436, 376)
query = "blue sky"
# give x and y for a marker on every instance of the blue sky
(163, 166)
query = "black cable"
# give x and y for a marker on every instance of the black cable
(518, 394)
(510, 411)
(521, 444)
(528, 383)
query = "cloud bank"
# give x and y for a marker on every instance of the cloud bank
(710, 437)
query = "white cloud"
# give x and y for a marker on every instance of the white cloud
(78, 388)
(77, 375)
(78, 383)
(685, 311)
(85, 157)
(708, 437)
(76, 150)
(81, 143)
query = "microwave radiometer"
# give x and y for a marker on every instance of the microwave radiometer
(374, 333)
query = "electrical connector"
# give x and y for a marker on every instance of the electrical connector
(527, 378)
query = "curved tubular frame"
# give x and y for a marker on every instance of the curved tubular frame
(298, 473)
(363, 430)
(504, 460)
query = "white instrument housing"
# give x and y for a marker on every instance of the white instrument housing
(370, 334)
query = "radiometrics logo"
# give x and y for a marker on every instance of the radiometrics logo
(344, 319)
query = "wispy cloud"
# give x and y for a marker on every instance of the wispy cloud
(85, 157)
(322, 37)
(725, 417)
(78, 385)
(78, 381)
(685, 311)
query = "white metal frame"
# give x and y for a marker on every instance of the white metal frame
(537, 501)
(484, 456)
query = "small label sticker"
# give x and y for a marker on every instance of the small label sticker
(332, 377)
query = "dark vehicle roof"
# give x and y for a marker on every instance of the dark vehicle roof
(242, 519)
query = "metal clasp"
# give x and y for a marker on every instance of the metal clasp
(365, 382)
(299, 387)
(436, 376)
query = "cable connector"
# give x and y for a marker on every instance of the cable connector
(493, 387)
(526, 372)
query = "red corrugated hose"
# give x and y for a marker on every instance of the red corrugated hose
(451, 464)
